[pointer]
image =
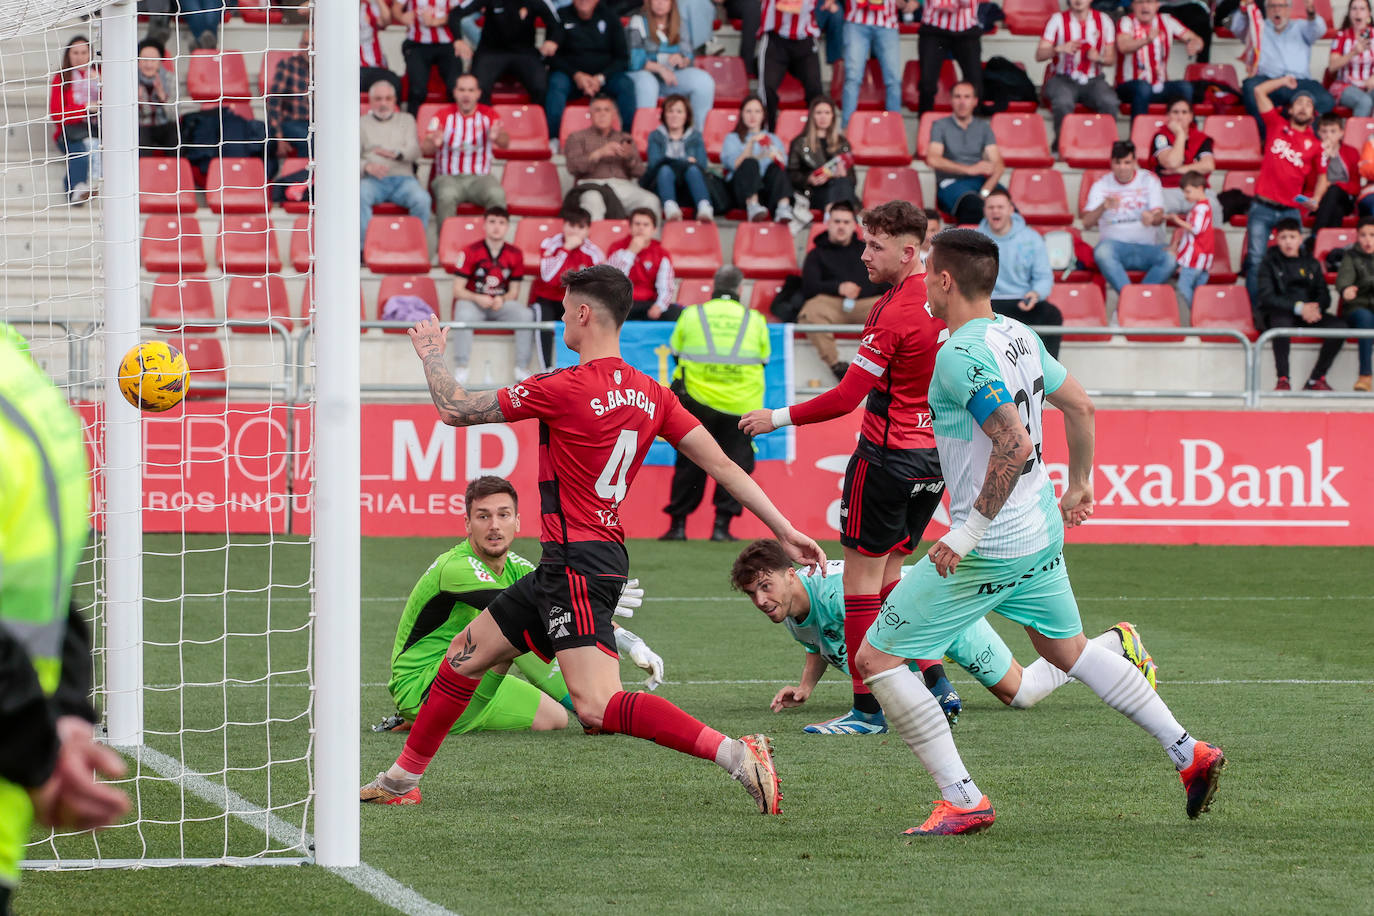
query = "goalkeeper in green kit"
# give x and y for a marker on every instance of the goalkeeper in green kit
(453, 591)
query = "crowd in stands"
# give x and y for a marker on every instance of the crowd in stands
(1156, 210)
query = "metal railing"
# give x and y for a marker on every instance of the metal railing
(1253, 387)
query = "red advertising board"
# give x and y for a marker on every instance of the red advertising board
(1211, 477)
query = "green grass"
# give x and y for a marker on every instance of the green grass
(1090, 814)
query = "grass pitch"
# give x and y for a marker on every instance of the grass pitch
(1265, 651)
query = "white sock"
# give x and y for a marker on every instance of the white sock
(400, 779)
(1122, 687)
(728, 754)
(1039, 679)
(914, 713)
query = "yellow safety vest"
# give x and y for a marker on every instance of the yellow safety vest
(728, 379)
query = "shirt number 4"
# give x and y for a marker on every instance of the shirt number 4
(612, 484)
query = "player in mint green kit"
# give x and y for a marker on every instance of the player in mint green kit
(453, 591)
(1004, 550)
(811, 607)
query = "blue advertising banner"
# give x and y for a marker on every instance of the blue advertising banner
(644, 345)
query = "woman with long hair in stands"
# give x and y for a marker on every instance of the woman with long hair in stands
(756, 166)
(820, 163)
(661, 58)
(72, 105)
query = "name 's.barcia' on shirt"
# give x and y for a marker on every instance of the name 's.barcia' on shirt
(624, 397)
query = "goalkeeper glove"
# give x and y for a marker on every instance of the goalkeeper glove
(631, 597)
(644, 657)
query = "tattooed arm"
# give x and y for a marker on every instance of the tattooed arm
(1011, 447)
(456, 406)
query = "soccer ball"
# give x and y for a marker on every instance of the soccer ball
(153, 376)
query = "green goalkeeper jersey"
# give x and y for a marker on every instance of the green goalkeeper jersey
(452, 592)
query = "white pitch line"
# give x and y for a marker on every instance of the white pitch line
(711, 599)
(1218, 682)
(374, 882)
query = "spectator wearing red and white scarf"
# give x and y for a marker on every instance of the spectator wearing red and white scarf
(460, 138)
(1283, 47)
(1143, 41)
(949, 30)
(428, 46)
(1352, 61)
(373, 17)
(1079, 42)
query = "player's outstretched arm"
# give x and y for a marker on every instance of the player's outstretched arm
(1077, 502)
(836, 402)
(812, 672)
(455, 405)
(1011, 447)
(705, 453)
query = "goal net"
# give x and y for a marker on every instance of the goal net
(159, 185)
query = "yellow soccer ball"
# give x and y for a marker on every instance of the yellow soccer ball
(154, 376)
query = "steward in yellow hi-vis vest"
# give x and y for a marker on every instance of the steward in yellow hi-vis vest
(46, 754)
(721, 348)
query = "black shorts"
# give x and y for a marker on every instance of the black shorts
(556, 607)
(881, 511)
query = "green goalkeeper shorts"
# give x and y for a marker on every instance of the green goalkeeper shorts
(501, 703)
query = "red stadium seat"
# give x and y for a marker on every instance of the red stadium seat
(693, 291)
(892, 183)
(791, 123)
(1085, 140)
(732, 82)
(395, 285)
(872, 89)
(817, 228)
(764, 250)
(259, 299)
(1143, 130)
(1085, 183)
(213, 76)
(205, 357)
(429, 111)
(1223, 306)
(791, 94)
(247, 245)
(605, 233)
(923, 132)
(879, 138)
(261, 12)
(1235, 141)
(165, 186)
(761, 299)
(1022, 140)
(505, 92)
(575, 118)
(944, 88)
(532, 188)
(1148, 306)
(695, 247)
(1358, 130)
(234, 185)
(436, 90)
(529, 132)
(646, 119)
(911, 85)
(294, 164)
(718, 123)
(1040, 197)
(172, 244)
(1082, 306)
(1216, 101)
(1327, 241)
(1217, 73)
(529, 233)
(187, 303)
(301, 248)
(396, 245)
(1240, 181)
(457, 233)
(1221, 271)
(1028, 17)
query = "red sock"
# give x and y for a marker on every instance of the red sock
(448, 696)
(859, 613)
(653, 718)
(887, 590)
(926, 664)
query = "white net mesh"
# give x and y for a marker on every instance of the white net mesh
(223, 771)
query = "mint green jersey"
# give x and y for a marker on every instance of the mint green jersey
(985, 363)
(453, 591)
(821, 631)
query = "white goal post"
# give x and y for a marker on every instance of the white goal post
(315, 818)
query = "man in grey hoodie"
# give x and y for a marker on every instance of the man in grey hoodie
(1024, 277)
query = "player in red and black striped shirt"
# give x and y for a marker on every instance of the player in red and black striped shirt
(893, 482)
(596, 422)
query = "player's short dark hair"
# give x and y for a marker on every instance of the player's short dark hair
(969, 257)
(896, 218)
(1288, 224)
(605, 286)
(1330, 119)
(496, 211)
(1122, 149)
(1193, 180)
(488, 485)
(759, 558)
(1000, 191)
(644, 211)
(575, 216)
(844, 206)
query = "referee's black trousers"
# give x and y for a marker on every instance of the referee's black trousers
(689, 481)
